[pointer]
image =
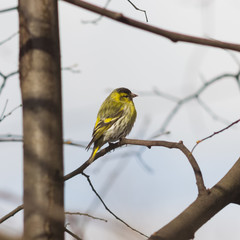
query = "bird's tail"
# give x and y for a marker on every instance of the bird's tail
(94, 152)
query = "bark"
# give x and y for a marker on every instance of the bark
(40, 80)
(183, 227)
(6, 237)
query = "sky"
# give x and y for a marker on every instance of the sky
(150, 191)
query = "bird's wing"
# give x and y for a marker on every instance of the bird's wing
(102, 125)
(107, 116)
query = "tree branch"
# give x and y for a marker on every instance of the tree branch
(179, 102)
(212, 114)
(72, 234)
(149, 144)
(173, 36)
(104, 204)
(3, 111)
(3, 116)
(11, 214)
(217, 132)
(5, 77)
(138, 9)
(72, 69)
(183, 227)
(8, 38)
(8, 9)
(94, 21)
(85, 214)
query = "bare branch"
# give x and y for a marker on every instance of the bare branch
(8, 114)
(211, 113)
(21, 207)
(8, 9)
(149, 144)
(10, 138)
(173, 36)
(8, 38)
(11, 214)
(68, 142)
(95, 21)
(106, 5)
(71, 68)
(119, 219)
(19, 138)
(199, 141)
(5, 78)
(4, 109)
(138, 9)
(234, 57)
(183, 227)
(85, 214)
(193, 96)
(72, 234)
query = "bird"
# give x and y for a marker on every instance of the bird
(115, 119)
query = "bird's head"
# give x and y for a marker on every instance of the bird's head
(123, 95)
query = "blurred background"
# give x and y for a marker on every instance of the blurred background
(145, 187)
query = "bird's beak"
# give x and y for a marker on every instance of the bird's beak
(133, 95)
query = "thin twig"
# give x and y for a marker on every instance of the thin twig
(138, 9)
(71, 69)
(95, 21)
(5, 78)
(19, 138)
(179, 102)
(211, 113)
(173, 36)
(104, 204)
(68, 142)
(11, 214)
(72, 234)
(199, 141)
(108, 182)
(10, 138)
(4, 109)
(85, 214)
(8, 9)
(8, 38)
(234, 57)
(8, 114)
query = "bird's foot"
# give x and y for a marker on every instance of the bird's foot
(121, 139)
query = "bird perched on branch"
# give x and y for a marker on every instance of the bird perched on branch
(115, 119)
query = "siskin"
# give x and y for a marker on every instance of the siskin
(115, 119)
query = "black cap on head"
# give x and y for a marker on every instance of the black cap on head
(123, 90)
(127, 91)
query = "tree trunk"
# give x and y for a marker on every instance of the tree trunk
(40, 79)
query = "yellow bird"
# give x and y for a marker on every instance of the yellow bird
(115, 119)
